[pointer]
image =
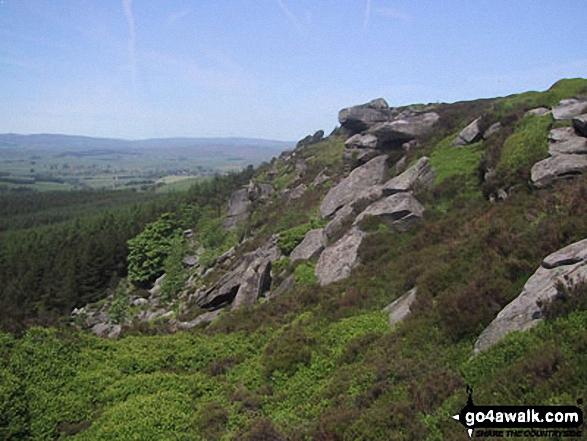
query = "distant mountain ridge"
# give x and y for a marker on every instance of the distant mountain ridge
(58, 141)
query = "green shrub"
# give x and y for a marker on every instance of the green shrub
(148, 250)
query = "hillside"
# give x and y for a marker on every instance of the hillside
(352, 288)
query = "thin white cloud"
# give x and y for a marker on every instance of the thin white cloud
(292, 18)
(127, 5)
(176, 16)
(395, 14)
(367, 16)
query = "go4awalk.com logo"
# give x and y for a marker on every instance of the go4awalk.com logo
(520, 421)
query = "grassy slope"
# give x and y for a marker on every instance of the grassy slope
(321, 363)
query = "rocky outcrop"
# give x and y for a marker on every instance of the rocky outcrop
(539, 111)
(361, 141)
(298, 192)
(568, 158)
(238, 208)
(338, 260)
(360, 118)
(312, 245)
(418, 177)
(285, 286)
(570, 108)
(320, 179)
(564, 140)
(469, 135)
(397, 132)
(580, 125)
(311, 139)
(202, 319)
(566, 266)
(545, 172)
(399, 309)
(349, 189)
(248, 278)
(256, 280)
(240, 201)
(492, 130)
(399, 211)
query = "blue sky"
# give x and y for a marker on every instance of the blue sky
(275, 69)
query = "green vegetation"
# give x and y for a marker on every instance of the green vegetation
(524, 148)
(149, 250)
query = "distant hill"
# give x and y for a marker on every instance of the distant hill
(248, 147)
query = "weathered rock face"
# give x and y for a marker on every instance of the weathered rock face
(360, 179)
(255, 281)
(298, 192)
(565, 266)
(285, 286)
(203, 319)
(359, 141)
(420, 176)
(469, 135)
(399, 211)
(545, 172)
(320, 179)
(539, 111)
(238, 208)
(248, 279)
(569, 157)
(312, 245)
(492, 130)
(360, 118)
(338, 260)
(397, 132)
(580, 125)
(399, 309)
(342, 218)
(570, 108)
(311, 139)
(564, 141)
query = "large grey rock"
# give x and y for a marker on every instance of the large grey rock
(564, 141)
(569, 108)
(539, 111)
(255, 281)
(399, 309)
(312, 245)
(238, 208)
(298, 192)
(320, 179)
(580, 125)
(250, 269)
(360, 118)
(470, 134)
(202, 319)
(157, 286)
(285, 286)
(400, 131)
(338, 260)
(399, 211)
(492, 130)
(106, 330)
(420, 176)
(311, 139)
(360, 179)
(566, 266)
(343, 218)
(361, 141)
(545, 172)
